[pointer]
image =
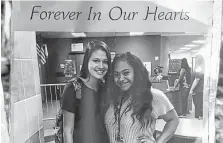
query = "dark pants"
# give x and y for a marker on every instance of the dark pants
(176, 101)
(184, 99)
(198, 103)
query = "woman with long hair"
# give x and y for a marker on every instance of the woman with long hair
(184, 81)
(132, 106)
(197, 87)
(84, 124)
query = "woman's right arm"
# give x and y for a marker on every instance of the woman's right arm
(68, 107)
(193, 86)
(68, 126)
(182, 73)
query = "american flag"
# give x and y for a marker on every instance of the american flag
(42, 52)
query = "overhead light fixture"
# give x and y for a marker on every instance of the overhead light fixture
(199, 41)
(78, 34)
(185, 48)
(136, 33)
(191, 45)
(182, 50)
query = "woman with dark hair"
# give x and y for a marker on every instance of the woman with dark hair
(132, 106)
(84, 124)
(184, 81)
(197, 87)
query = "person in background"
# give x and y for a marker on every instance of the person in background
(184, 81)
(132, 106)
(89, 128)
(197, 86)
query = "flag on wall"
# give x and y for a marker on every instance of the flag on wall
(42, 52)
(46, 51)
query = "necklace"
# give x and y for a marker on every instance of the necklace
(119, 138)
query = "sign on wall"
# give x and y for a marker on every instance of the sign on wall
(69, 68)
(112, 16)
(77, 47)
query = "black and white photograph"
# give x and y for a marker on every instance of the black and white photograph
(112, 71)
(172, 70)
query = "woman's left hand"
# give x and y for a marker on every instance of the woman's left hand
(145, 139)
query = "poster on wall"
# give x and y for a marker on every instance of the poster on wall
(62, 66)
(69, 68)
(77, 47)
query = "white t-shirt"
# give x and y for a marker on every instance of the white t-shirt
(130, 132)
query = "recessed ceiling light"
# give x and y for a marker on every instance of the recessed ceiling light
(78, 34)
(180, 50)
(136, 33)
(191, 45)
(185, 48)
(199, 41)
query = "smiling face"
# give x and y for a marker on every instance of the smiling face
(98, 64)
(123, 75)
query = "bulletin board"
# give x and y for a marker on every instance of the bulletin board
(69, 68)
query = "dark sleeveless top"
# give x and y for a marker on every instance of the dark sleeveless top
(90, 127)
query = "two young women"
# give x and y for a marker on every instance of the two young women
(118, 104)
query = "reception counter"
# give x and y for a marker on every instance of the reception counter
(175, 99)
(188, 131)
(172, 95)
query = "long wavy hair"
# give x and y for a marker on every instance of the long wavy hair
(93, 46)
(184, 64)
(139, 92)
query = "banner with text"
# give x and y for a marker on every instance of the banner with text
(112, 16)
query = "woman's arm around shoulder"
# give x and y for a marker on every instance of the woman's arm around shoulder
(182, 73)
